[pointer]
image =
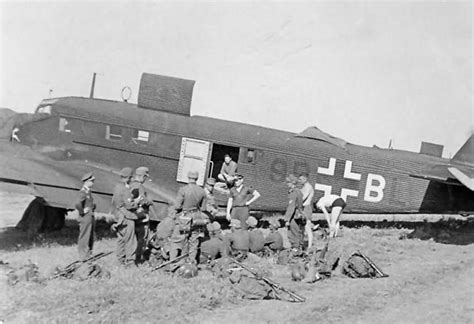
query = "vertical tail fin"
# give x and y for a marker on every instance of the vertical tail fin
(466, 152)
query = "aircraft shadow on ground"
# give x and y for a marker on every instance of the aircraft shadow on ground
(13, 239)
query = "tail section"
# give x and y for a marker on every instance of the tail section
(466, 152)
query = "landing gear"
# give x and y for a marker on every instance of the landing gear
(39, 218)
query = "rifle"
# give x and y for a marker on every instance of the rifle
(170, 261)
(70, 268)
(274, 285)
(373, 265)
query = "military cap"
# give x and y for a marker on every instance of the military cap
(193, 174)
(235, 223)
(251, 221)
(142, 171)
(211, 181)
(291, 179)
(87, 176)
(239, 176)
(126, 172)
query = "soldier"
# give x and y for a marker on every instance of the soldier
(190, 202)
(228, 171)
(274, 240)
(142, 225)
(257, 241)
(211, 206)
(308, 193)
(294, 214)
(237, 204)
(336, 205)
(238, 241)
(86, 207)
(162, 238)
(215, 247)
(125, 216)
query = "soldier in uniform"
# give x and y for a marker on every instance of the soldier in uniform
(257, 241)
(274, 240)
(238, 202)
(125, 216)
(215, 247)
(308, 192)
(294, 214)
(86, 207)
(142, 225)
(238, 241)
(211, 206)
(191, 201)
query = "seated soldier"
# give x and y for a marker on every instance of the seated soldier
(161, 239)
(215, 247)
(238, 241)
(257, 240)
(227, 173)
(274, 240)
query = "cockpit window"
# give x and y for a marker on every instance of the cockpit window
(113, 132)
(44, 110)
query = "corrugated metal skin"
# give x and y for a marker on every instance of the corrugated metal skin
(280, 153)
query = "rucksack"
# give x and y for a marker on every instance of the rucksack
(357, 267)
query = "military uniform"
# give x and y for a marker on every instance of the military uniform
(142, 225)
(294, 213)
(85, 241)
(257, 241)
(274, 241)
(191, 200)
(213, 248)
(238, 241)
(125, 217)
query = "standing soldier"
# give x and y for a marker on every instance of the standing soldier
(294, 214)
(237, 204)
(125, 216)
(335, 204)
(86, 207)
(190, 202)
(211, 206)
(308, 193)
(142, 225)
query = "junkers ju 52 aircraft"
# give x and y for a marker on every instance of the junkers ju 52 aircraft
(49, 150)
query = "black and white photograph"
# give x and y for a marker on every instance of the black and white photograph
(254, 161)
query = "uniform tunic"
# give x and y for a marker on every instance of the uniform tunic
(308, 193)
(142, 224)
(295, 207)
(274, 241)
(213, 248)
(191, 201)
(211, 205)
(257, 241)
(85, 240)
(125, 217)
(240, 210)
(239, 240)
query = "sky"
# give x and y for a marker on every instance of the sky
(367, 72)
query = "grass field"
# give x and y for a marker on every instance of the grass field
(429, 282)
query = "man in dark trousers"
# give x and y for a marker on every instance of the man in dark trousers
(190, 203)
(86, 207)
(142, 225)
(125, 216)
(239, 202)
(294, 214)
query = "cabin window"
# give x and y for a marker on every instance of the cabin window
(113, 132)
(44, 110)
(247, 155)
(64, 125)
(140, 136)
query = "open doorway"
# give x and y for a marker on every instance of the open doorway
(217, 157)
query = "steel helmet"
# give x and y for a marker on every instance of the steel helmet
(298, 272)
(187, 270)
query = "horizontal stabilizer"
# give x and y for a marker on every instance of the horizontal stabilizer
(465, 179)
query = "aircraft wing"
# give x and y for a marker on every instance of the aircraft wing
(449, 174)
(23, 170)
